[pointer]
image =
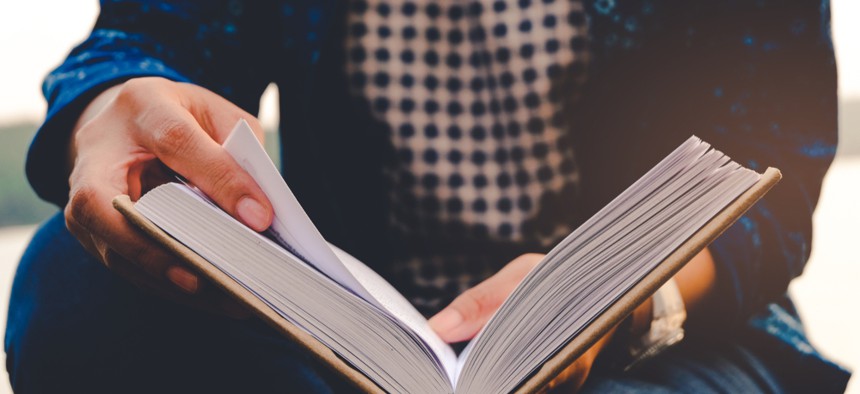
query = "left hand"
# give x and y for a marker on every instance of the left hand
(469, 312)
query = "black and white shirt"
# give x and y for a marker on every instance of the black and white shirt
(473, 93)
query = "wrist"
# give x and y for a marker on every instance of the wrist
(89, 113)
(668, 314)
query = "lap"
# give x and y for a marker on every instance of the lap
(74, 326)
(699, 365)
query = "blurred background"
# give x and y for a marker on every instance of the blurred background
(36, 35)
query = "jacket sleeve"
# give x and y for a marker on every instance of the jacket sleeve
(757, 80)
(210, 43)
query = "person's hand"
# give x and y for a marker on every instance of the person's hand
(124, 143)
(470, 311)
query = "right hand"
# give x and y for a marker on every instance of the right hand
(123, 143)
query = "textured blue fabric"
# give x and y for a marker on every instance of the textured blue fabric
(755, 78)
(694, 367)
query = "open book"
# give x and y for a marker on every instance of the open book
(353, 320)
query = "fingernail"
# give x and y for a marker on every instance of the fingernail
(446, 321)
(253, 213)
(183, 279)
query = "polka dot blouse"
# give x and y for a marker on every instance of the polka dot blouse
(472, 93)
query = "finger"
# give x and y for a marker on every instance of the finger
(157, 265)
(121, 254)
(179, 141)
(137, 276)
(216, 115)
(133, 272)
(469, 312)
(571, 379)
(208, 298)
(83, 236)
(90, 211)
(575, 375)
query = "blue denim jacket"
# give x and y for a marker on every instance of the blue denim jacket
(756, 78)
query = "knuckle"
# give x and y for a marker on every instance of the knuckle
(79, 208)
(485, 301)
(71, 224)
(70, 219)
(469, 304)
(222, 180)
(133, 91)
(173, 137)
(74, 227)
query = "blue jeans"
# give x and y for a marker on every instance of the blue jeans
(75, 327)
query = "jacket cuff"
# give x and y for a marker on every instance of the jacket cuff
(70, 93)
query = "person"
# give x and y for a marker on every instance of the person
(448, 144)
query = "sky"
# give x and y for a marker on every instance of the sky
(36, 35)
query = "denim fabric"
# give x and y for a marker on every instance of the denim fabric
(694, 367)
(74, 327)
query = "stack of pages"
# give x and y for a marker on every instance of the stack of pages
(296, 280)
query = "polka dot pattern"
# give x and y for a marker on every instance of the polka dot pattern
(469, 90)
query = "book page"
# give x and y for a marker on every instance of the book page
(367, 337)
(398, 306)
(293, 230)
(291, 227)
(599, 262)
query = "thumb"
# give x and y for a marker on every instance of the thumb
(182, 145)
(470, 311)
(217, 115)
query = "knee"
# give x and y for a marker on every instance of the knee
(38, 333)
(29, 352)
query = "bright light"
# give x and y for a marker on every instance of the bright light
(36, 35)
(846, 32)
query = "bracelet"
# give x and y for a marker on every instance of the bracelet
(666, 325)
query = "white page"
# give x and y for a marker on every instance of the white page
(291, 226)
(599, 262)
(294, 231)
(397, 305)
(372, 341)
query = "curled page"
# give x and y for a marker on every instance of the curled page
(291, 227)
(293, 230)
